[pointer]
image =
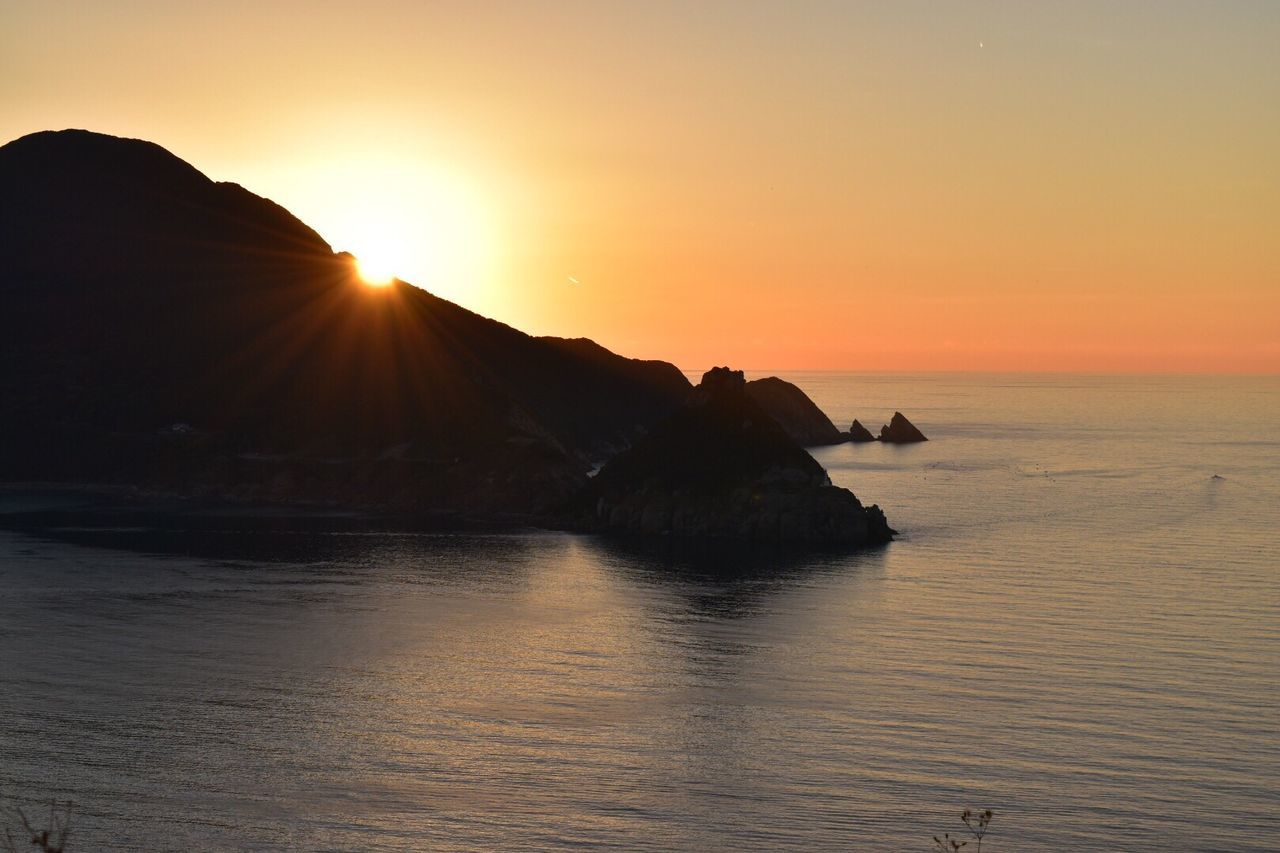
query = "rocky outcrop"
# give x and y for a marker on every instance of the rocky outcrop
(722, 468)
(858, 433)
(794, 412)
(721, 383)
(899, 430)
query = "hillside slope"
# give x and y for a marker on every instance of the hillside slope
(161, 329)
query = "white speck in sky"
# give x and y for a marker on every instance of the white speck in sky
(980, 44)
(573, 280)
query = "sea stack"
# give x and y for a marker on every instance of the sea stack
(899, 430)
(858, 433)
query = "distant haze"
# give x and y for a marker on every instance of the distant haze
(916, 186)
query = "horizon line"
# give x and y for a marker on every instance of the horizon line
(994, 372)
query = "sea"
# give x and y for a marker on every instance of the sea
(1078, 628)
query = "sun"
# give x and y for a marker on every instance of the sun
(382, 251)
(375, 271)
(411, 221)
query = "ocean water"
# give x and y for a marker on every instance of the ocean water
(1079, 628)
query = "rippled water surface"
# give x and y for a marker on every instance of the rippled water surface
(1079, 628)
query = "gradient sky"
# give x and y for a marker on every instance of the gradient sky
(899, 185)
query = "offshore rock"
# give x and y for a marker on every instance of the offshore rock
(899, 430)
(858, 433)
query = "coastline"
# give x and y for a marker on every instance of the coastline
(28, 506)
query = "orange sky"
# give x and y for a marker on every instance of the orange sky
(998, 186)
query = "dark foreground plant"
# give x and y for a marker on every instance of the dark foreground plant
(51, 839)
(975, 822)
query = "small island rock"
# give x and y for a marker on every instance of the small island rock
(859, 433)
(899, 430)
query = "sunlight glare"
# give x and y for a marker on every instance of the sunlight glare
(375, 270)
(412, 221)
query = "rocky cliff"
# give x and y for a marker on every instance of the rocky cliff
(794, 412)
(721, 467)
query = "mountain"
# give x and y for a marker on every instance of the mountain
(163, 330)
(722, 468)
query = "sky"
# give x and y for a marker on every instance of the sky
(1059, 186)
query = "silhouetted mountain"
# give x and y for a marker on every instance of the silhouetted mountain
(161, 329)
(721, 467)
(794, 412)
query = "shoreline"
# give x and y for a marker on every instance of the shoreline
(27, 505)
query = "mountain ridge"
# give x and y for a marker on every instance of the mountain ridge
(141, 295)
